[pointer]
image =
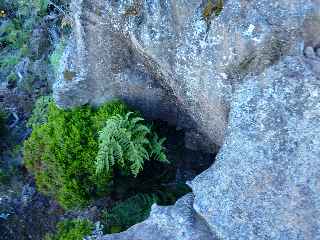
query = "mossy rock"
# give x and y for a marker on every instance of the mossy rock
(69, 75)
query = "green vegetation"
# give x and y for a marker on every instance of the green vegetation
(7, 173)
(40, 112)
(127, 213)
(66, 147)
(62, 149)
(61, 154)
(12, 79)
(22, 16)
(137, 208)
(219, 7)
(124, 143)
(75, 229)
(82, 154)
(18, 20)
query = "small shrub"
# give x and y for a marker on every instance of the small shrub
(41, 6)
(72, 230)
(62, 149)
(125, 143)
(208, 10)
(9, 61)
(67, 148)
(107, 111)
(61, 153)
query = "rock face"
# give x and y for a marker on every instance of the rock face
(265, 182)
(247, 81)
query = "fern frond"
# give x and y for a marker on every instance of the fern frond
(124, 142)
(126, 213)
(135, 120)
(157, 149)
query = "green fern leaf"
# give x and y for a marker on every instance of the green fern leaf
(124, 142)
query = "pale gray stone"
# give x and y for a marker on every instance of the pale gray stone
(265, 181)
(309, 52)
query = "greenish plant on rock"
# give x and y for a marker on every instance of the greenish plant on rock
(212, 8)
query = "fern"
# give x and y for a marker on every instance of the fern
(137, 208)
(124, 142)
(74, 229)
(157, 149)
(127, 213)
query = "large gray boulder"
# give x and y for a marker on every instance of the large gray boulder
(171, 62)
(265, 181)
(246, 81)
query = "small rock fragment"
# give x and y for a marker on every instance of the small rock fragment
(309, 52)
